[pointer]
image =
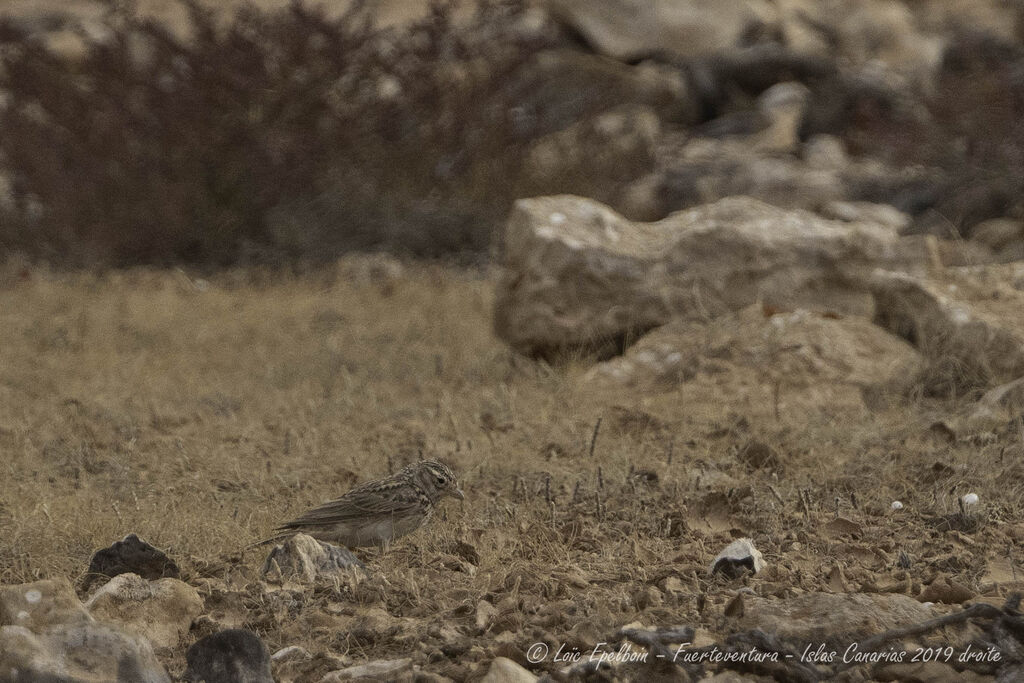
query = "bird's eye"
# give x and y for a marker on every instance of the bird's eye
(440, 481)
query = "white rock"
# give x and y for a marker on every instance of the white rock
(737, 557)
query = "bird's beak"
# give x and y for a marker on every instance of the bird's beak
(457, 493)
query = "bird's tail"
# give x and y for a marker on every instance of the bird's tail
(284, 536)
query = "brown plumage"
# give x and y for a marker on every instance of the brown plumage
(379, 511)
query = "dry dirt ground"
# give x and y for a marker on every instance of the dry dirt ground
(199, 414)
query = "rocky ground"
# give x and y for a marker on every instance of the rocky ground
(747, 405)
(597, 494)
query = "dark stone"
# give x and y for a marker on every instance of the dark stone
(232, 656)
(132, 555)
(733, 568)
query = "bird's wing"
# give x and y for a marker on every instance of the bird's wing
(357, 504)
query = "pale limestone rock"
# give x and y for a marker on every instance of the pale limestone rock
(41, 604)
(579, 275)
(161, 611)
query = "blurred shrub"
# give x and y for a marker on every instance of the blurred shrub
(263, 135)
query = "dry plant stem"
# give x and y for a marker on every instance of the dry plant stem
(776, 396)
(593, 438)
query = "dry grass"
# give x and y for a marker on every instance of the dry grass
(201, 414)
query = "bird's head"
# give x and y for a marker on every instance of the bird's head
(439, 479)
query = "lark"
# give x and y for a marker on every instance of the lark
(378, 512)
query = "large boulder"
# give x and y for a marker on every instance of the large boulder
(161, 611)
(80, 652)
(579, 275)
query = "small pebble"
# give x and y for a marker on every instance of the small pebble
(896, 505)
(970, 499)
